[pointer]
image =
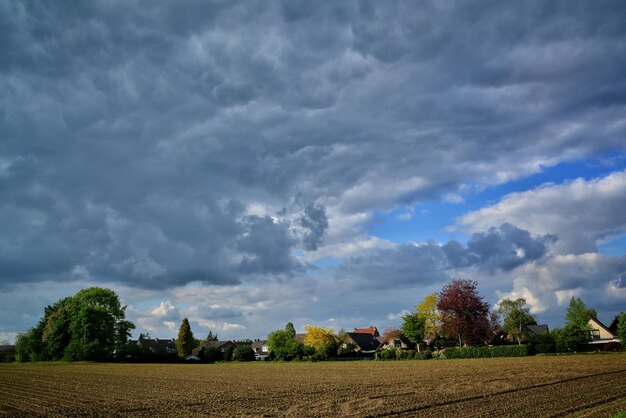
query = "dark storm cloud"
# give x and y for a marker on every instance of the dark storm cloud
(136, 136)
(315, 221)
(266, 246)
(403, 265)
(506, 247)
(502, 249)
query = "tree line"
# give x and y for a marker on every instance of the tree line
(458, 316)
(91, 325)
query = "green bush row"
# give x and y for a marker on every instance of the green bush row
(395, 354)
(484, 352)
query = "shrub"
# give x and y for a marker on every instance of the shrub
(212, 354)
(386, 354)
(306, 350)
(346, 349)
(571, 338)
(326, 350)
(541, 344)
(291, 350)
(485, 352)
(243, 353)
(228, 353)
(423, 355)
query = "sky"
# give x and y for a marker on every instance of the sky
(245, 164)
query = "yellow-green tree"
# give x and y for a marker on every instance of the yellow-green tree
(427, 310)
(318, 337)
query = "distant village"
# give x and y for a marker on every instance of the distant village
(368, 342)
(457, 318)
(454, 323)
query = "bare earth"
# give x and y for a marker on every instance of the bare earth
(593, 385)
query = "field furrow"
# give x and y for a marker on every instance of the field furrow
(593, 385)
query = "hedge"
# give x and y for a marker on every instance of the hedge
(485, 352)
(387, 354)
(396, 354)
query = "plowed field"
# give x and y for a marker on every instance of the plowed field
(593, 385)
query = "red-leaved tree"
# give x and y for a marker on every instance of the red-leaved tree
(464, 314)
(391, 333)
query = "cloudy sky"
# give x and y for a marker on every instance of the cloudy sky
(245, 164)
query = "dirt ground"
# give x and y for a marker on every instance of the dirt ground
(585, 385)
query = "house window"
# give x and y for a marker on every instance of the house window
(595, 334)
(397, 343)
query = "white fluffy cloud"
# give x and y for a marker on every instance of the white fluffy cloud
(548, 286)
(581, 213)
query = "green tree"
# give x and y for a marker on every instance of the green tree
(413, 327)
(28, 346)
(243, 353)
(290, 329)
(342, 337)
(185, 341)
(576, 333)
(212, 354)
(283, 346)
(542, 343)
(345, 346)
(228, 353)
(211, 337)
(621, 329)
(578, 313)
(87, 326)
(571, 338)
(515, 314)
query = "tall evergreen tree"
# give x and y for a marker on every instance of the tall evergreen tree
(621, 329)
(290, 329)
(185, 341)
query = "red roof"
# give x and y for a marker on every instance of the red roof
(369, 330)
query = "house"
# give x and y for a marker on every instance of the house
(369, 330)
(397, 342)
(169, 345)
(600, 334)
(218, 345)
(156, 345)
(533, 330)
(364, 342)
(261, 349)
